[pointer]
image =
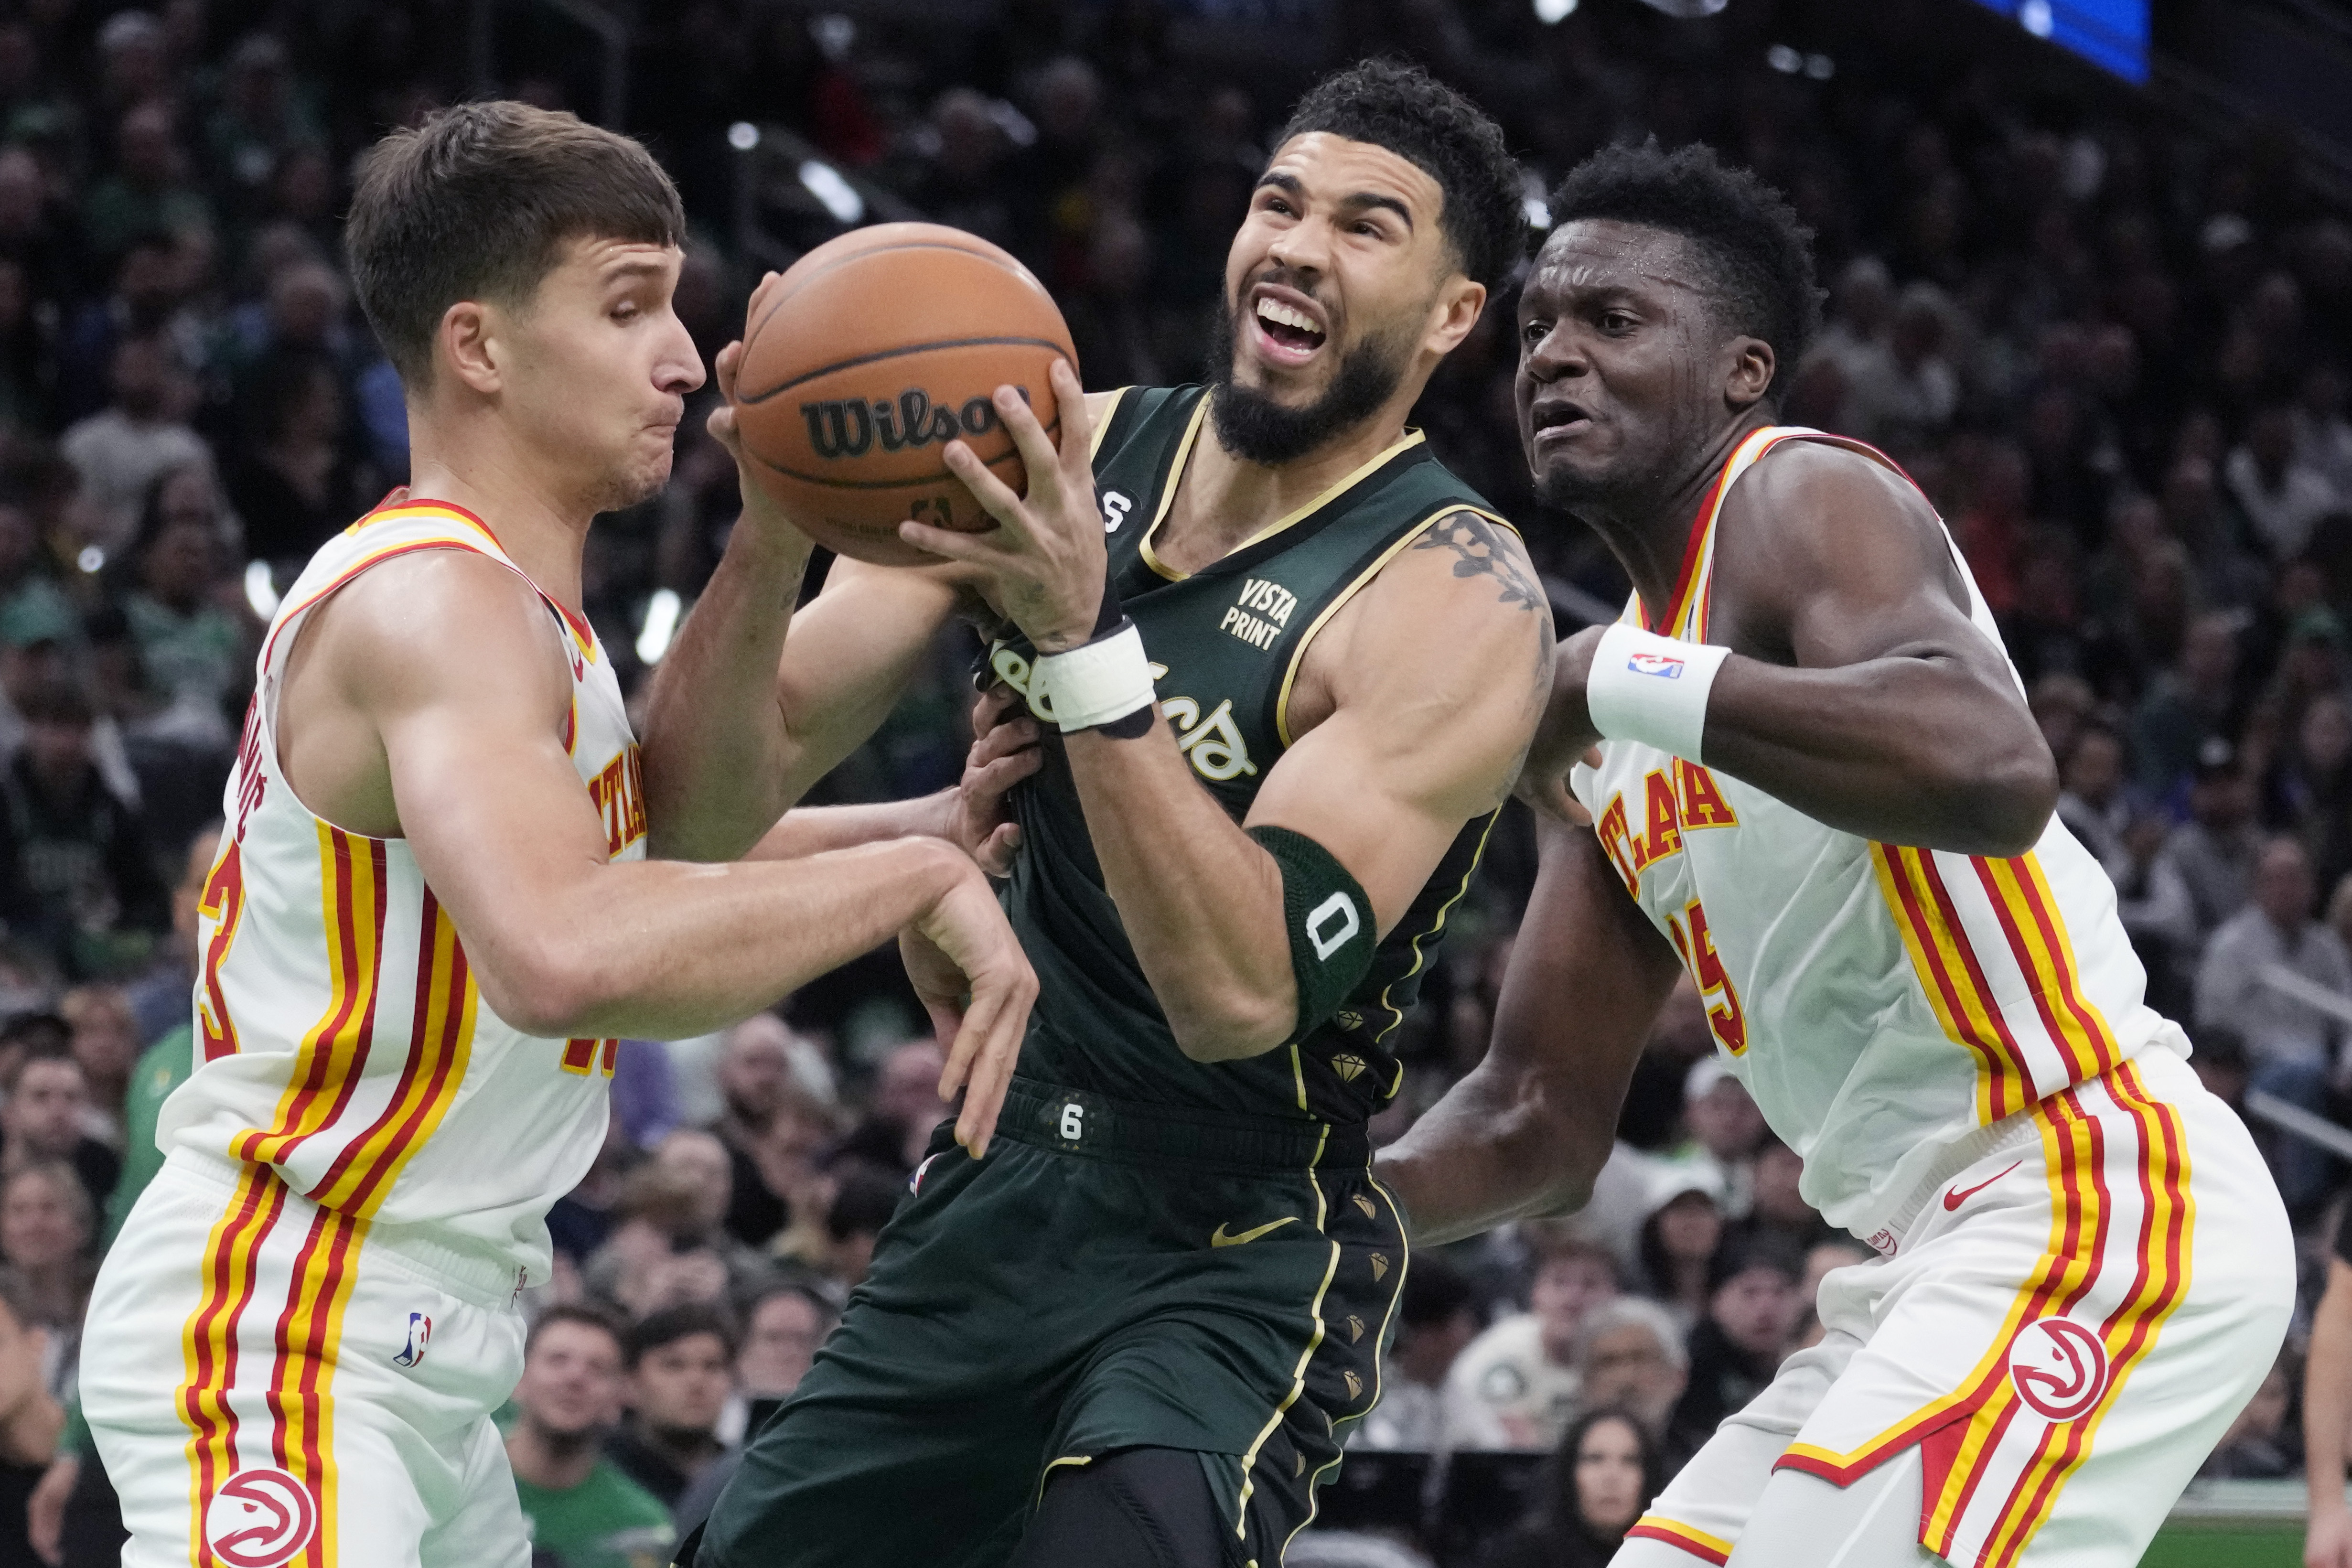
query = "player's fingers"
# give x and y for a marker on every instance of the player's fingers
(1036, 449)
(999, 1051)
(728, 364)
(972, 549)
(1003, 740)
(989, 708)
(997, 851)
(995, 497)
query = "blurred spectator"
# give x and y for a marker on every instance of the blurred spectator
(1751, 1310)
(2189, 705)
(195, 637)
(1631, 1358)
(1515, 1386)
(159, 998)
(1604, 1473)
(864, 1197)
(1822, 1259)
(787, 1322)
(1727, 1129)
(148, 192)
(1908, 397)
(45, 1235)
(1437, 1319)
(2280, 496)
(1684, 1229)
(33, 608)
(78, 876)
(756, 1085)
(907, 1107)
(2213, 853)
(1780, 1217)
(681, 1370)
(105, 1045)
(45, 1117)
(31, 1417)
(2092, 803)
(120, 452)
(579, 1504)
(2290, 1042)
(671, 1246)
(2322, 436)
(297, 483)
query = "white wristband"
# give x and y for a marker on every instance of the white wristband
(1650, 689)
(1094, 683)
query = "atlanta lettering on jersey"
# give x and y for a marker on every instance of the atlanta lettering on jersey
(1682, 799)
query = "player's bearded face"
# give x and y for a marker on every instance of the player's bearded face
(1253, 425)
(599, 368)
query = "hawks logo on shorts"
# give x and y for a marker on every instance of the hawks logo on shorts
(259, 1518)
(2060, 1368)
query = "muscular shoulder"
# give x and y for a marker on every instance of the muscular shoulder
(440, 623)
(1450, 647)
(1811, 520)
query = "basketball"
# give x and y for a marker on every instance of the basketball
(864, 359)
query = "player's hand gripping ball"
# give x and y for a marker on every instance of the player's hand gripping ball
(864, 360)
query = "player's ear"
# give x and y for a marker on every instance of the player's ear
(466, 340)
(1454, 312)
(1750, 374)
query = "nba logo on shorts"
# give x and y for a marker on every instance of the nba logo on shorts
(420, 1333)
(259, 1518)
(2059, 1366)
(1665, 665)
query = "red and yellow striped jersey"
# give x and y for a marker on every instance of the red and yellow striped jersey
(1880, 1002)
(341, 1035)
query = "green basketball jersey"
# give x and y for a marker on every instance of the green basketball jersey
(1227, 643)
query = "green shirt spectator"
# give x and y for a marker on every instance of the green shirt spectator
(607, 1522)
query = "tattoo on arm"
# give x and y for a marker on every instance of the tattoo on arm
(1483, 549)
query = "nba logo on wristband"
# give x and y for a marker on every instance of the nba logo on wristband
(1665, 665)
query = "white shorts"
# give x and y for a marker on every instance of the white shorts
(2061, 1333)
(273, 1384)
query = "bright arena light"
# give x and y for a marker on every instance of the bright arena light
(259, 591)
(839, 197)
(1551, 11)
(743, 136)
(661, 624)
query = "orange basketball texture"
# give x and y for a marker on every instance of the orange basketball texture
(867, 357)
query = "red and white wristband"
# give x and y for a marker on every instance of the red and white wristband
(1652, 688)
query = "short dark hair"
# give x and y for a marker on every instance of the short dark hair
(1435, 1293)
(1758, 253)
(1402, 108)
(588, 1314)
(671, 1324)
(865, 1197)
(477, 203)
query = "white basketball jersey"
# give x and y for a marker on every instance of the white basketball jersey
(1879, 1001)
(341, 1037)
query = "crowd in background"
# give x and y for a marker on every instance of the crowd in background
(2113, 351)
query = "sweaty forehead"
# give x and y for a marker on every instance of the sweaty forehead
(1596, 253)
(1333, 167)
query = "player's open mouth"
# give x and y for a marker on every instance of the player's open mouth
(1288, 333)
(1558, 417)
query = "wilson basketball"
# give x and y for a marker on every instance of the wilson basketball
(872, 354)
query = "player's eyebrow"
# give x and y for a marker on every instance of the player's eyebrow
(1289, 186)
(633, 268)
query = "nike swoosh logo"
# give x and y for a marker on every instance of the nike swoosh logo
(1218, 1238)
(1955, 1197)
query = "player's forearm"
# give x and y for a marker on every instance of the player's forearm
(716, 749)
(1529, 1130)
(1916, 750)
(814, 829)
(1200, 902)
(662, 950)
(1501, 1145)
(2327, 1391)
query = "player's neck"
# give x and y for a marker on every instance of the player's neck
(1647, 525)
(1222, 501)
(477, 467)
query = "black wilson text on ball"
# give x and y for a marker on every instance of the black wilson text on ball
(848, 428)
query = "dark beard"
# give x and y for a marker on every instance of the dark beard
(1257, 429)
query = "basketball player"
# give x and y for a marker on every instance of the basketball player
(432, 912)
(1285, 667)
(1818, 790)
